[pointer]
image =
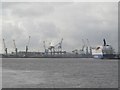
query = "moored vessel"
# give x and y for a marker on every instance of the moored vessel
(103, 51)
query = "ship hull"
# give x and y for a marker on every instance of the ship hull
(105, 56)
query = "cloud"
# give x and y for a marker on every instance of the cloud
(52, 21)
(28, 9)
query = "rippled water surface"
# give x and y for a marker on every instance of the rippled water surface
(59, 73)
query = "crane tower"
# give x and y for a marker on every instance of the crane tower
(5, 47)
(27, 46)
(15, 47)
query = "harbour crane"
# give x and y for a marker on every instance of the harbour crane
(5, 47)
(83, 45)
(75, 51)
(46, 50)
(51, 48)
(60, 45)
(27, 46)
(87, 49)
(44, 46)
(90, 48)
(15, 47)
(82, 50)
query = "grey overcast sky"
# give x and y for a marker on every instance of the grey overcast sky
(53, 21)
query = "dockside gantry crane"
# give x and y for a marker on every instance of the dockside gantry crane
(52, 48)
(56, 49)
(15, 47)
(5, 48)
(27, 46)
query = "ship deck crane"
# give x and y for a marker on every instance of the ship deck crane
(5, 47)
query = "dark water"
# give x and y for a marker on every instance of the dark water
(60, 73)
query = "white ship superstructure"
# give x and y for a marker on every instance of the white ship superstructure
(104, 51)
(97, 52)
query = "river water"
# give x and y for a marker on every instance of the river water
(59, 73)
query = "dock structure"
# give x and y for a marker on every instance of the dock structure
(56, 51)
